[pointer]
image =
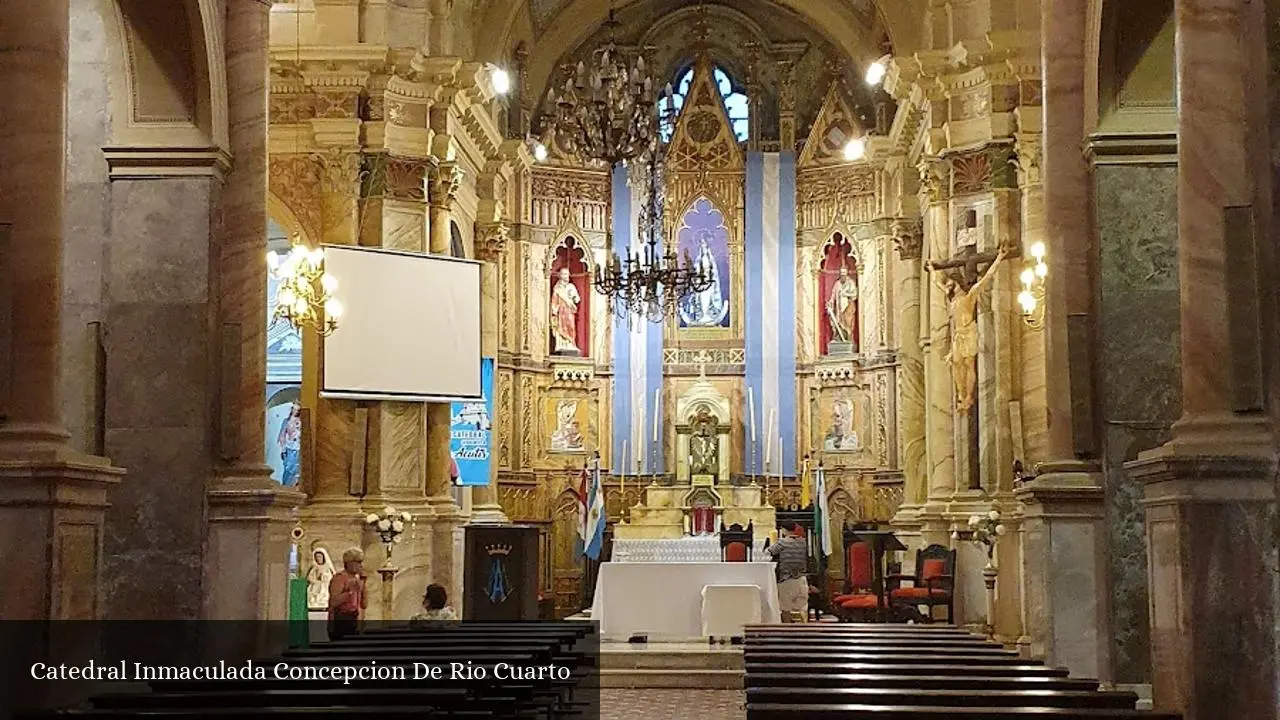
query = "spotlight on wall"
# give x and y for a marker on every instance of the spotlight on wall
(1031, 298)
(855, 149)
(501, 80)
(539, 152)
(877, 70)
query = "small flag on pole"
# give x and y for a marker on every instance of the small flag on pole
(806, 489)
(821, 516)
(595, 514)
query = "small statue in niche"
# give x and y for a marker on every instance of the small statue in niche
(318, 578)
(565, 301)
(704, 444)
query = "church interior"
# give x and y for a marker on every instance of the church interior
(970, 291)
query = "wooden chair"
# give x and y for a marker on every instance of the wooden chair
(859, 599)
(932, 585)
(736, 542)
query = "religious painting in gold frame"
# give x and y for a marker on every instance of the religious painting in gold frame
(568, 423)
(840, 421)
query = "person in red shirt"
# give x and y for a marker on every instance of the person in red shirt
(347, 596)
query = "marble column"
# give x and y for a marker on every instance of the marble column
(52, 499)
(491, 244)
(439, 28)
(939, 388)
(908, 238)
(250, 515)
(443, 189)
(1210, 493)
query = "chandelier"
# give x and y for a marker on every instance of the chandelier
(608, 110)
(304, 297)
(651, 281)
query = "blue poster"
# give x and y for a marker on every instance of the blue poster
(471, 433)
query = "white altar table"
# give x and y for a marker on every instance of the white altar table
(695, 548)
(664, 600)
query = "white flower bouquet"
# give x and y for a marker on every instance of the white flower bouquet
(390, 525)
(986, 530)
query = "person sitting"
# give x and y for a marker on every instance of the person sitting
(792, 554)
(347, 596)
(435, 606)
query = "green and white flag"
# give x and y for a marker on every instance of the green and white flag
(821, 515)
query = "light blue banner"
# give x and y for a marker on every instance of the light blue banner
(471, 432)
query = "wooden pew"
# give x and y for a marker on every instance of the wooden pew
(867, 671)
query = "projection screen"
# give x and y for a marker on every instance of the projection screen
(410, 330)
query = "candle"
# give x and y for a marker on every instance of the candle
(657, 411)
(751, 410)
(779, 462)
(768, 434)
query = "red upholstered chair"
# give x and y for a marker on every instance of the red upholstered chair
(736, 542)
(932, 585)
(861, 598)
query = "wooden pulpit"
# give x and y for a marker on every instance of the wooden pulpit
(500, 579)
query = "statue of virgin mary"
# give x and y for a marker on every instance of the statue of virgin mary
(706, 308)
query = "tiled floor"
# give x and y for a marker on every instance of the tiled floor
(663, 704)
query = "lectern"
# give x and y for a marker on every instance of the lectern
(500, 580)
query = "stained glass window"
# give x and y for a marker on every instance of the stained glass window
(735, 101)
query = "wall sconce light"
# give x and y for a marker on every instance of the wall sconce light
(500, 79)
(877, 70)
(855, 149)
(305, 295)
(1031, 299)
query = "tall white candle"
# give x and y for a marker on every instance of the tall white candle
(657, 411)
(768, 438)
(779, 462)
(751, 410)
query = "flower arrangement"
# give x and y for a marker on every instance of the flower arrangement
(390, 525)
(986, 530)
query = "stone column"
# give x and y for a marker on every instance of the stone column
(939, 388)
(1210, 493)
(908, 238)
(443, 188)
(52, 500)
(1064, 540)
(439, 29)
(250, 515)
(491, 244)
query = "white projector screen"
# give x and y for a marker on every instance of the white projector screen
(410, 328)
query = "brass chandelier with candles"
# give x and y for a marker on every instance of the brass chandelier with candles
(609, 110)
(304, 297)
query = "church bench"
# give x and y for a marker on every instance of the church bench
(984, 698)
(778, 711)
(272, 713)
(832, 655)
(929, 646)
(921, 682)
(823, 668)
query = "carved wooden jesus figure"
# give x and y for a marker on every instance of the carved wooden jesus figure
(564, 315)
(964, 333)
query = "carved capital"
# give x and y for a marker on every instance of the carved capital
(446, 181)
(491, 240)
(934, 179)
(908, 237)
(1027, 151)
(339, 170)
(406, 178)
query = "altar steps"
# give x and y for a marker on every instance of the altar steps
(671, 665)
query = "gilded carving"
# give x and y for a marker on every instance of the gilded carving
(526, 418)
(491, 241)
(445, 182)
(340, 170)
(703, 137)
(971, 104)
(836, 184)
(505, 410)
(337, 104)
(934, 177)
(572, 185)
(882, 420)
(290, 109)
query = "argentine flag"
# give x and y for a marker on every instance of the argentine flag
(595, 514)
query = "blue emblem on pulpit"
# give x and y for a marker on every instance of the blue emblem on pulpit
(498, 588)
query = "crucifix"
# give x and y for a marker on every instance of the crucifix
(963, 289)
(702, 364)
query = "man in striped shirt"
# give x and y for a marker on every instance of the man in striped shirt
(792, 554)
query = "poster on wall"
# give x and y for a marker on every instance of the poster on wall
(471, 433)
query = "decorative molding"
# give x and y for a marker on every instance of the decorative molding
(406, 178)
(712, 356)
(491, 241)
(1132, 148)
(572, 374)
(446, 182)
(141, 163)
